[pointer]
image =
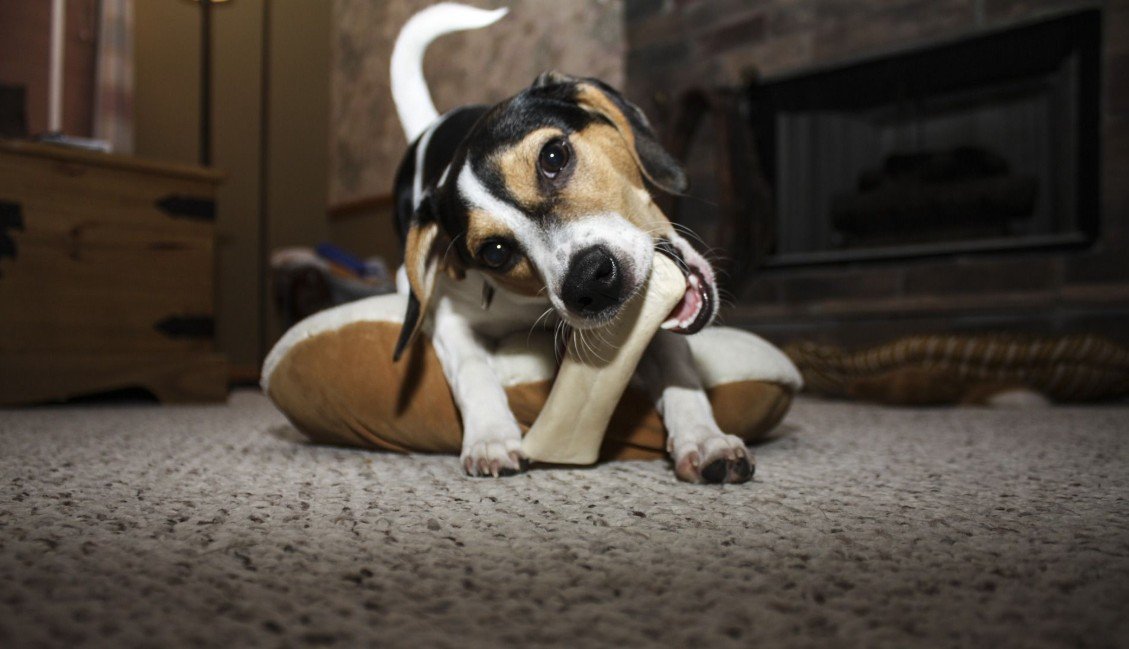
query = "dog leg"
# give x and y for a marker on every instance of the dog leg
(491, 436)
(700, 450)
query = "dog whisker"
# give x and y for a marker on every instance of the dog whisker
(592, 350)
(697, 199)
(450, 245)
(564, 331)
(687, 231)
(680, 229)
(541, 317)
(581, 351)
(711, 253)
(682, 265)
(599, 333)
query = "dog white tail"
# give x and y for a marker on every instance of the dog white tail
(409, 88)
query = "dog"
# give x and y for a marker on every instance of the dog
(538, 211)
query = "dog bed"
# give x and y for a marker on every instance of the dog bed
(333, 376)
(970, 369)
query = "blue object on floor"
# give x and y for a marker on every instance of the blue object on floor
(341, 257)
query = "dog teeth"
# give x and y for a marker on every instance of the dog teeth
(689, 320)
(683, 324)
(694, 316)
(695, 284)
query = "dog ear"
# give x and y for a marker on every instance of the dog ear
(661, 168)
(423, 251)
(657, 165)
(552, 78)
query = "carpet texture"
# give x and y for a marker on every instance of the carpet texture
(138, 525)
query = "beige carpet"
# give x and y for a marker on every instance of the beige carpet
(137, 525)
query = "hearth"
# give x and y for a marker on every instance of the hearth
(989, 143)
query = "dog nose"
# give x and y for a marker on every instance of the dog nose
(593, 284)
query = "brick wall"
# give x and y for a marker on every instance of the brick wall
(673, 45)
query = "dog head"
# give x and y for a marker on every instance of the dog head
(548, 195)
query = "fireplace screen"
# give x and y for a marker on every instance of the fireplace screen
(984, 144)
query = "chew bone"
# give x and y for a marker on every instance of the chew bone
(594, 374)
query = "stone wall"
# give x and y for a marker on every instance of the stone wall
(678, 44)
(582, 37)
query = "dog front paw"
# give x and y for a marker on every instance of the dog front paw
(494, 457)
(712, 458)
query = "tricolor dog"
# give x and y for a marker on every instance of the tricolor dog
(537, 211)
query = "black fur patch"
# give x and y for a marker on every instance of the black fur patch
(441, 149)
(411, 317)
(402, 191)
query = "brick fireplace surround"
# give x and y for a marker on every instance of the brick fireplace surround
(675, 45)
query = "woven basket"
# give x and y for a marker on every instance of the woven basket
(942, 369)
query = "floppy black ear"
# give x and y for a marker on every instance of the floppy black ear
(420, 262)
(657, 165)
(422, 255)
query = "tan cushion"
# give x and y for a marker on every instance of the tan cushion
(333, 377)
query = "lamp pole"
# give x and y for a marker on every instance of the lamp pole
(55, 81)
(205, 82)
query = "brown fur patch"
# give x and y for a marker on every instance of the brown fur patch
(518, 166)
(595, 100)
(608, 179)
(426, 252)
(419, 251)
(523, 278)
(420, 264)
(481, 227)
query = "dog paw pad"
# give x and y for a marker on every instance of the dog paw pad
(713, 459)
(494, 458)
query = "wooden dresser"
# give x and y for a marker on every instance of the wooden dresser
(106, 277)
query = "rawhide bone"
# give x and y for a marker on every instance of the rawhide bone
(595, 372)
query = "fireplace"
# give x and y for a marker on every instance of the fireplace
(986, 144)
(922, 166)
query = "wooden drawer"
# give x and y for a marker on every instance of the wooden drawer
(106, 275)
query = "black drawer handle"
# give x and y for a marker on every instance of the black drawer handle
(11, 218)
(188, 207)
(187, 326)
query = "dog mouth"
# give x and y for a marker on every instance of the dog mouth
(699, 303)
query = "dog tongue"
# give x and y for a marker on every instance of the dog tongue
(689, 305)
(686, 311)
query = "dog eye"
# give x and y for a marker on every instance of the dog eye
(554, 156)
(495, 254)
